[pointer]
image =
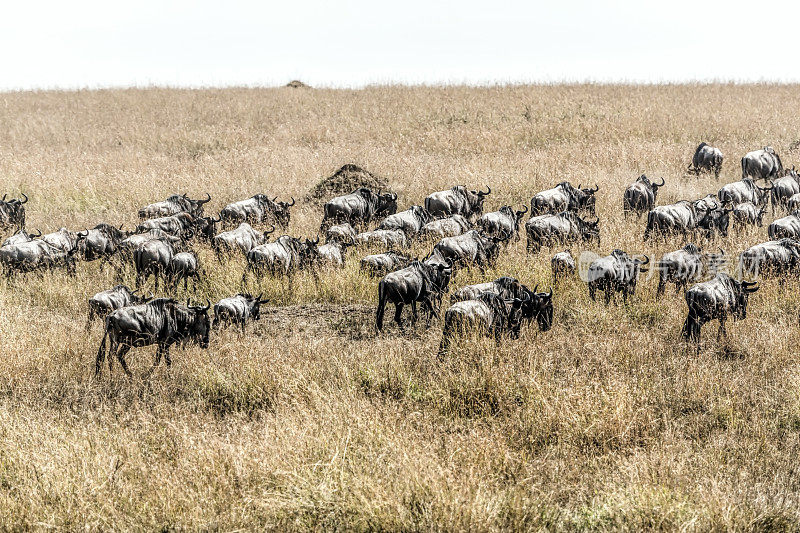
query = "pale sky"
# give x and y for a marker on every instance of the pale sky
(352, 43)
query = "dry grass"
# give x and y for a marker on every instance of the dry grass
(311, 422)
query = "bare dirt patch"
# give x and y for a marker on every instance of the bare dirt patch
(345, 180)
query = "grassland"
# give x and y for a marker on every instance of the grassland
(310, 421)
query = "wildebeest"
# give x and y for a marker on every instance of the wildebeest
(382, 264)
(182, 225)
(715, 221)
(489, 313)
(205, 228)
(332, 254)
(784, 188)
(564, 197)
(745, 190)
(716, 299)
(708, 202)
(421, 281)
(747, 213)
(679, 218)
(762, 164)
(152, 258)
(104, 302)
(132, 242)
(788, 226)
(457, 201)
(243, 238)
(409, 221)
(12, 212)
(162, 321)
(684, 265)
(503, 223)
(35, 255)
(386, 238)
(616, 272)
(565, 227)
(358, 208)
(101, 242)
(21, 236)
(279, 257)
(343, 233)
(256, 210)
(470, 248)
(706, 159)
(183, 266)
(63, 239)
(562, 265)
(505, 287)
(237, 310)
(771, 258)
(640, 196)
(177, 203)
(793, 203)
(446, 227)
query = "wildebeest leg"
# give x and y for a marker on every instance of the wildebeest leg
(398, 310)
(121, 351)
(593, 292)
(722, 332)
(157, 360)
(607, 295)
(242, 325)
(186, 284)
(661, 286)
(167, 358)
(413, 313)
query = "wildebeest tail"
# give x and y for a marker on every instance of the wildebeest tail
(690, 327)
(381, 305)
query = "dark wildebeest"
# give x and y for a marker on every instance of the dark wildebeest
(745, 190)
(689, 264)
(182, 225)
(786, 227)
(343, 233)
(503, 223)
(640, 196)
(470, 248)
(784, 188)
(21, 236)
(244, 238)
(457, 201)
(716, 299)
(747, 213)
(104, 302)
(279, 257)
(101, 242)
(676, 219)
(566, 227)
(12, 213)
(177, 203)
(564, 197)
(421, 281)
(715, 221)
(358, 208)
(162, 322)
(616, 272)
(706, 159)
(382, 264)
(256, 210)
(409, 221)
(183, 266)
(771, 258)
(385, 238)
(206, 228)
(237, 310)
(489, 314)
(762, 164)
(152, 258)
(446, 227)
(562, 265)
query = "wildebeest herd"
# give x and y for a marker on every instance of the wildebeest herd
(161, 246)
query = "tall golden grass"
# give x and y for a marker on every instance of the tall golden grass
(310, 420)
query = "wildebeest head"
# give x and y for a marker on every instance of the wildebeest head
(421, 213)
(255, 303)
(475, 199)
(309, 252)
(281, 212)
(521, 213)
(206, 227)
(590, 231)
(539, 306)
(386, 204)
(585, 198)
(196, 324)
(742, 291)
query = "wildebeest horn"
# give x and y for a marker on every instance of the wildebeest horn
(550, 294)
(596, 187)
(315, 241)
(721, 251)
(749, 283)
(4, 197)
(24, 196)
(274, 198)
(488, 191)
(536, 288)
(208, 305)
(206, 200)
(662, 182)
(291, 204)
(525, 210)
(259, 296)
(40, 233)
(646, 260)
(80, 234)
(219, 219)
(270, 231)
(394, 196)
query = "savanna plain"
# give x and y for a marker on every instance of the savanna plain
(310, 420)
